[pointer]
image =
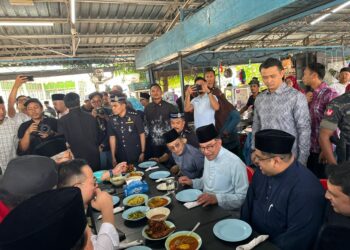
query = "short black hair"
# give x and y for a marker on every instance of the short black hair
(46, 102)
(29, 101)
(199, 78)
(69, 169)
(1, 100)
(93, 94)
(339, 175)
(345, 69)
(20, 96)
(155, 85)
(318, 68)
(254, 81)
(207, 70)
(271, 62)
(72, 100)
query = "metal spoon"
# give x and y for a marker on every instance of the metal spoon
(188, 234)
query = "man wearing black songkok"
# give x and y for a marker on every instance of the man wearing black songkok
(58, 104)
(52, 220)
(285, 200)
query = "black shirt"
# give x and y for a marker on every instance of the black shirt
(35, 139)
(251, 101)
(157, 120)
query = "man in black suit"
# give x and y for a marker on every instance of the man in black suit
(81, 132)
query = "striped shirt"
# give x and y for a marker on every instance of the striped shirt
(285, 109)
(8, 141)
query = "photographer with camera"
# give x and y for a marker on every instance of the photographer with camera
(37, 130)
(102, 116)
(203, 105)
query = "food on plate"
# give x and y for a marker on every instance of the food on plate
(135, 173)
(183, 242)
(130, 168)
(157, 202)
(136, 215)
(158, 229)
(117, 180)
(135, 201)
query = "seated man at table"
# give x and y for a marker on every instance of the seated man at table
(224, 181)
(285, 200)
(177, 122)
(189, 160)
(335, 232)
(77, 173)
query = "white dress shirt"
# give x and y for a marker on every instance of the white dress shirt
(226, 177)
(107, 238)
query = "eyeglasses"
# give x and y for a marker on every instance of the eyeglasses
(258, 159)
(209, 147)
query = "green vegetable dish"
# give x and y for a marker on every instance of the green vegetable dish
(136, 215)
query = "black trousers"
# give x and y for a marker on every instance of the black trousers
(315, 166)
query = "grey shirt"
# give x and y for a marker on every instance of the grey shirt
(285, 109)
(191, 162)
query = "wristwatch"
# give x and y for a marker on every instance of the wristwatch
(110, 173)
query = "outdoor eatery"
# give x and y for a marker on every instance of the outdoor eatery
(174, 124)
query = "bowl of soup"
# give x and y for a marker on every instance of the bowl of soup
(182, 240)
(158, 214)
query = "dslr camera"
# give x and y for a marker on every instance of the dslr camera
(43, 128)
(100, 111)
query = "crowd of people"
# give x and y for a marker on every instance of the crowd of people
(48, 156)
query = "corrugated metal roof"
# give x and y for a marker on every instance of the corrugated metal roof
(107, 29)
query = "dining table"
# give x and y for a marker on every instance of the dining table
(182, 217)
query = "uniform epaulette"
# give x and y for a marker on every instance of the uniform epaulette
(132, 112)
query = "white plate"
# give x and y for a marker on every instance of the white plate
(126, 199)
(165, 197)
(162, 187)
(169, 224)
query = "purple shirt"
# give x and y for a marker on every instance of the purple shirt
(320, 99)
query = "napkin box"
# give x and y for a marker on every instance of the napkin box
(136, 187)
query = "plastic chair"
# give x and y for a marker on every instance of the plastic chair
(250, 173)
(324, 183)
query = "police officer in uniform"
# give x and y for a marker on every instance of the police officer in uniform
(337, 115)
(126, 132)
(177, 122)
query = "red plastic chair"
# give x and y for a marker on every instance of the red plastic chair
(324, 183)
(250, 173)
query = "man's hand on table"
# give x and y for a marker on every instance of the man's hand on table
(184, 180)
(117, 170)
(207, 199)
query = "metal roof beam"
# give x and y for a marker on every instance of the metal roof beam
(67, 50)
(138, 2)
(97, 56)
(68, 36)
(81, 20)
(104, 45)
